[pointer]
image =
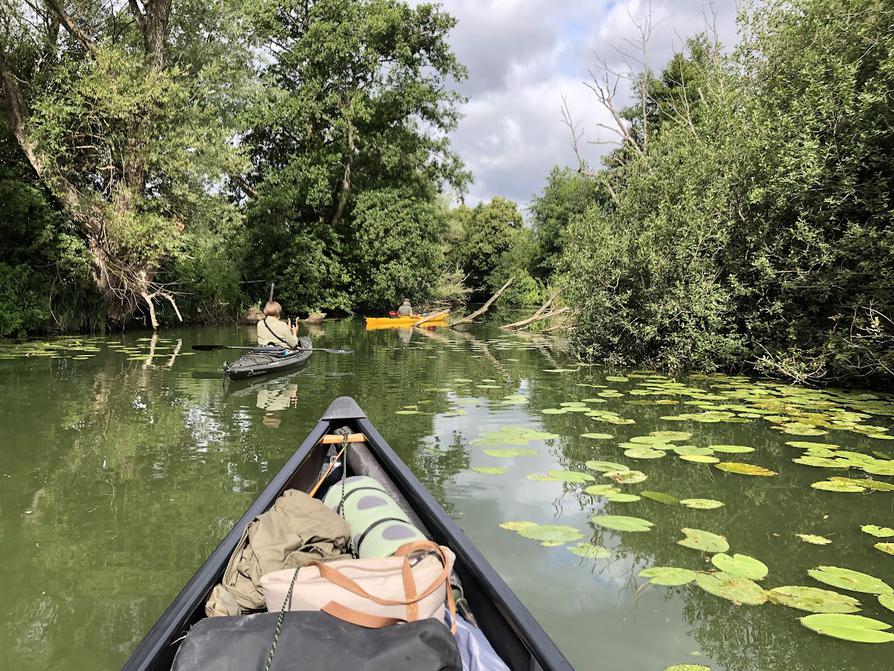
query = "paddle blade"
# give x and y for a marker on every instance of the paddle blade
(209, 348)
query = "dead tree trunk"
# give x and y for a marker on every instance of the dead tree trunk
(484, 308)
(536, 318)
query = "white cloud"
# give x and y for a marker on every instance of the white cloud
(523, 55)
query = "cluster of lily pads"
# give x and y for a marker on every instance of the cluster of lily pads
(79, 348)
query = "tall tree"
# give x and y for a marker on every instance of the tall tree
(360, 100)
(125, 114)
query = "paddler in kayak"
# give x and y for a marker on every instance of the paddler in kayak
(405, 310)
(274, 331)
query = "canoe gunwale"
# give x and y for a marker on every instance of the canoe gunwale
(530, 648)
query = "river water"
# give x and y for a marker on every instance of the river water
(125, 459)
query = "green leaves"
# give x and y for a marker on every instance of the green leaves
(622, 523)
(704, 541)
(877, 531)
(590, 551)
(701, 504)
(744, 469)
(845, 578)
(549, 534)
(814, 599)
(813, 539)
(668, 575)
(854, 628)
(741, 566)
(733, 588)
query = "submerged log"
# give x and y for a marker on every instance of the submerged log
(484, 308)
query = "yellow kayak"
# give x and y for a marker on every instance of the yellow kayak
(437, 318)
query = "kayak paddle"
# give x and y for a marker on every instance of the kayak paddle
(211, 348)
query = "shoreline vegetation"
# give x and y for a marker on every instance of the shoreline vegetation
(743, 222)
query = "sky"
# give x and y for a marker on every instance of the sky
(524, 55)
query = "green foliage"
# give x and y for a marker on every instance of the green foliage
(44, 274)
(397, 247)
(354, 120)
(493, 246)
(566, 197)
(751, 224)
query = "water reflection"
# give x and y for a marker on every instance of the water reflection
(122, 471)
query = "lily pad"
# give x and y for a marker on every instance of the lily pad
(517, 526)
(643, 452)
(590, 551)
(688, 667)
(741, 566)
(854, 581)
(626, 477)
(849, 627)
(877, 531)
(622, 522)
(490, 470)
(402, 412)
(570, 476)
(622, 497)
(692, 449)
(887, 600)
(732, 449)
(597, 436)
(699, 458)
(668, 576)
(814, 539)
(807, 444)
(605, 466)
(814, 599)
(744, 469)
(702, 504)
(727, 586)
(705, 541)
(601, 490)
(508, 453)
(821, 462)
(661, 497)
(540, 477)
(887, 548)
(551, 533)
(671, 436)
(554, 411)
(837, 486)
(866, 483)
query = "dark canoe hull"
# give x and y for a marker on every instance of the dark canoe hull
(265, 360)
(511, 629)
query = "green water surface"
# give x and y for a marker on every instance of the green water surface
(120, 471)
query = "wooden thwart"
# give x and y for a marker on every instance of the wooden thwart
(336, 439)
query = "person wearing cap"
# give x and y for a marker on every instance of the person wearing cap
(274, 331)
(405, 310)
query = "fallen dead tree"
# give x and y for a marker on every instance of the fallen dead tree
(543, 312)
(484, 308)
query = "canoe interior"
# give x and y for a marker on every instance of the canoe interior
(510, 628)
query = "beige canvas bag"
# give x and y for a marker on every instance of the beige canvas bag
(412, 584)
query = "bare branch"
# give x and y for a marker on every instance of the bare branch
(576, 136)
(71, 26)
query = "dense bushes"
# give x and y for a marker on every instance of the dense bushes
(44, 271)
(492, 244)
(755, 227)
